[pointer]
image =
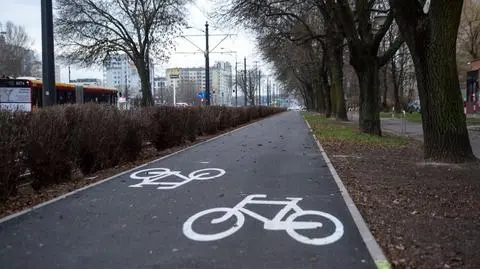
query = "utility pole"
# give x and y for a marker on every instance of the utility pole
(245, 79)
(259, 87)
(252, 100)
(69, 73)
(236, 84)
(207, 67)
(126, 91)
(268, 91)
(49, 93)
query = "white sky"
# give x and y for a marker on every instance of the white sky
(27, 13)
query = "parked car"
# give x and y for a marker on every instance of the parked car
(182, 104)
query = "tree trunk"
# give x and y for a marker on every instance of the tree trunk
(368, 78)
(385, 88)
(432, 42)
(396, 86)
(143, 69)
(328, 100)
(320, 97)
(335, 55)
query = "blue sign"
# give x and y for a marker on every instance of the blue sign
(201, 95)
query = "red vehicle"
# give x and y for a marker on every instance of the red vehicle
(26, 95)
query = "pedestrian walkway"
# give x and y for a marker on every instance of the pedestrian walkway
(260, 197)
(415, 130)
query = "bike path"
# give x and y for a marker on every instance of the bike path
(113, 225)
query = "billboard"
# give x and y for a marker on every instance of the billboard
(15, 99)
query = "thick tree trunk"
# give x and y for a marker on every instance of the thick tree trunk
(143, 69)
(335, 57)
(369, 118)
(432, 42)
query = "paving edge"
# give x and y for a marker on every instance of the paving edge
(375, 250)
(27, 210)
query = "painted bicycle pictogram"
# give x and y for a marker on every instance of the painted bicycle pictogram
(160, 177)
(289, 225)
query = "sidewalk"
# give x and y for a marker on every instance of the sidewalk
(415, 130)
(261, 197)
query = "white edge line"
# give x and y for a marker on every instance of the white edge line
(63, 196)
(372, 245)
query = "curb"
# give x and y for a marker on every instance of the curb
(27, 210)
(372, 245)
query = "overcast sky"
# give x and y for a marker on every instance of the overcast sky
(27, 14)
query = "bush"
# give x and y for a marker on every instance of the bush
(12, 132)
(96, 136)
(166, 127)
(132, 128)
(47, 149)
(52, 142)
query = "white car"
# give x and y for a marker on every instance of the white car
(182, 104)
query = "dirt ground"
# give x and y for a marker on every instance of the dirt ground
(423, 216)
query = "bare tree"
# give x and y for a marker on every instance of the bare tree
(91, 30)
(15, 55)
(430, 29)
(364, 36)
(302, 24)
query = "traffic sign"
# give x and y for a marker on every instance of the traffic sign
(174, 73)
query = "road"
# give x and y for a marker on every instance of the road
(171, 218)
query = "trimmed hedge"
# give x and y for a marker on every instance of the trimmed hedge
(52, 142)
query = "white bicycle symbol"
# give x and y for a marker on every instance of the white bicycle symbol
(290, 225)
(153, 176)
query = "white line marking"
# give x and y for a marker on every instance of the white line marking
(289, 225)
(375, 251)
(153, 176)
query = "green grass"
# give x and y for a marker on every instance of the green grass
(414, 117)
(329, 130)
(473, 121)
(417, 117)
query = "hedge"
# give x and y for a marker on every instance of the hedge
(53, 142)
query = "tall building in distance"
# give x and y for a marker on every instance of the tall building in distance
(193, 79)
(120, 72)
(222, 82)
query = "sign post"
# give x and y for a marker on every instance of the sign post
(174, 74)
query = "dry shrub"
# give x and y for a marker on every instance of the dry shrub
(51, 142)
(12, 135)
(47, 147)
(131, 133)
(166, 127)
(96, 136)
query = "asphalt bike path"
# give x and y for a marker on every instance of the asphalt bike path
(259, 197)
